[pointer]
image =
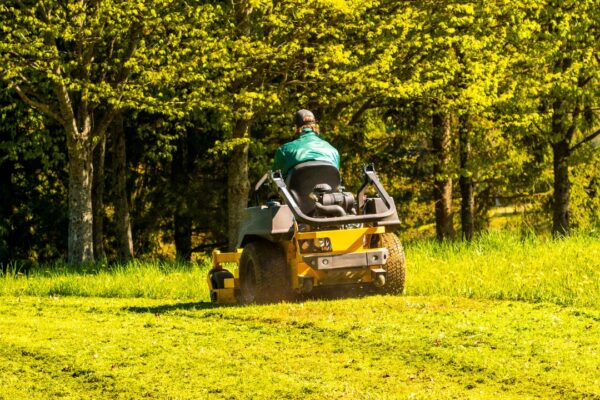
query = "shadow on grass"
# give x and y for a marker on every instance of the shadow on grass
(331, 294)
(201, 305)
(341, 292)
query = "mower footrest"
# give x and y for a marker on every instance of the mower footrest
(223, 296)
(350, 260)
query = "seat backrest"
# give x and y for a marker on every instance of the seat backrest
(302, 179)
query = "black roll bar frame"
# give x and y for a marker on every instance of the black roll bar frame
(370, 178)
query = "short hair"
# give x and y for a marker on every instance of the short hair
(312, 126)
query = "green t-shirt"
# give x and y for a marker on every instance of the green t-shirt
(307, 147)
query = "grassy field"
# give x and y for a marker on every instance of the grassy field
(500, 318)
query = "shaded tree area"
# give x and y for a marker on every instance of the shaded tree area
(136, 129)
(33, 181)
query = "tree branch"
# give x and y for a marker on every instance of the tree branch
(571, 130)
(539, 128)
(102, 126)
(366, 105)
(66, 108)
(205, 246)
(585, 140)
(581, 82)
(515, 196)
(45, 108)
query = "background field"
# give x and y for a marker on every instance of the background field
(503, 317)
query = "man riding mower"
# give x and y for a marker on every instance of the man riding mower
(311, 235)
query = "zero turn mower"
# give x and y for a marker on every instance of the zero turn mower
(310, 236)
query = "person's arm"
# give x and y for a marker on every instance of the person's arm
(337, 159)
(278, 160)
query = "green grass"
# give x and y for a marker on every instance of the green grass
(154, 280)
(504, 267)
(502, 317)
(495, 266)
(368, 348)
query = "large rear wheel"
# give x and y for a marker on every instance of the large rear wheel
(396, 263)
(264, 275)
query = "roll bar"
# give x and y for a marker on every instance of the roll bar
(370, 178)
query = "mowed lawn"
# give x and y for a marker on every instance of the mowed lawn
(500, 318)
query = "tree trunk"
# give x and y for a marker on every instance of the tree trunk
(238, 185)
(182, 220)
(562, 132)
(183, 237)
(562, 189)
(442, 188)
(98, 199)
(80, 241)
(123, 222)
(81, 131)
(467, 205)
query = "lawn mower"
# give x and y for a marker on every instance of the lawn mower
(310, 235)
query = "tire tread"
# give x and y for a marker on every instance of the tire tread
(270, 272)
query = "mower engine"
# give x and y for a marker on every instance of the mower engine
(330, 203)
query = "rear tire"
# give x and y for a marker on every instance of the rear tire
(264, 276)
(396, 264)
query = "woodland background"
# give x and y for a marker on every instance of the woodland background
(135, 128)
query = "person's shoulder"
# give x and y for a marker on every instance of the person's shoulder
(323, 139)
(289, 145)
(314, 136)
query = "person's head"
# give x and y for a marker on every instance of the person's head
(305, 119)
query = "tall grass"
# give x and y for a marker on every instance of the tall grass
(507, 267)
(493, 266)
(155, 279)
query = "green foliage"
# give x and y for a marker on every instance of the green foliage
(585, 197)
(374, 72)
(174, 173)
(32, 183)
(107, 52)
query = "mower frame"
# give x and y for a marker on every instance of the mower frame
(319, 252)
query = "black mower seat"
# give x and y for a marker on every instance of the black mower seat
(302, 179)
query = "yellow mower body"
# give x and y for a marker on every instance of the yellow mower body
(316, 246)
(319, 237)
(231, 285)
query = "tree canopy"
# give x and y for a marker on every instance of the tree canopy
(152, 117)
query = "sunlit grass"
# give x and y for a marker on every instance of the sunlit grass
(376, 347)
(154, 280)
(160, 337)
(494, 266)
(507, 267)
